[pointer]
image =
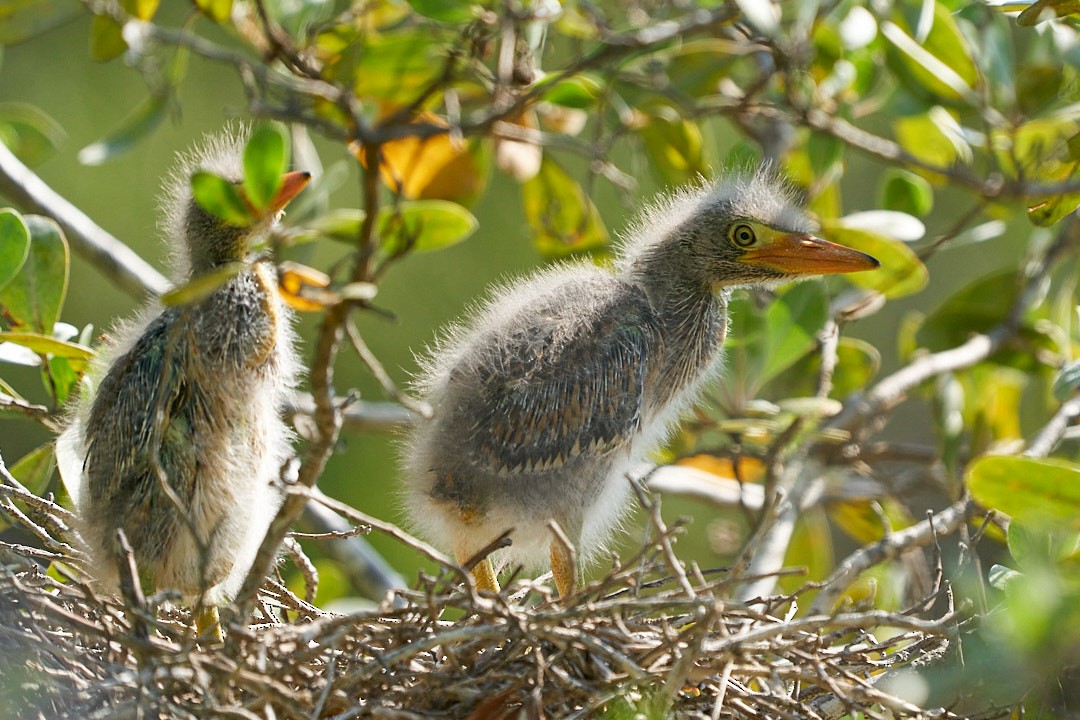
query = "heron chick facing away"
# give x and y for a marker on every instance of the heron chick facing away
(563, 381)
(182, 443)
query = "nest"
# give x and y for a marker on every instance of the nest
(649, 640)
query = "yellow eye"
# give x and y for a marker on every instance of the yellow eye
(743, 235)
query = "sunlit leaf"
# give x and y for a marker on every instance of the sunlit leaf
(1029, 490)
(762, 15)
(302, 287)
(217, 10)
(749, 469)
(21, 20)
(422, 225)
(562, 217)
(221, 198)
(266, 158)
(33, 298)
(673, 145)
(935, 138)
(141, 9)
(14, 244)
(942, 64)
(890, 223)
(901, 272)
(29, 131)
(62, 376)
(139, 124)
(47, 344)
(862, 520)
(393, 66)
(435, 167)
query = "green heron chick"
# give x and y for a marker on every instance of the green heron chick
(562, 382)
(182, 444)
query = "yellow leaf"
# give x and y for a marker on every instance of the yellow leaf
(302, 287)
(750, 468)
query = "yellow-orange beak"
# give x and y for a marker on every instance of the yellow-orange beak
(804, 254)
(291, 185)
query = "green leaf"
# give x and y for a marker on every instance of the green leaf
(825, 153)
(580, 92)
(901, 272)
(266, 158)
(1047, 10)
(33, 298)
(217, 10)
(106, 39)
(792, 323)
(1038, 85)
(1067, 381)
(28, 131)
(941, 64)
(21, 20)
(202, 286)
(446, 11)
(1001, 576)
(221, 198)
(906, 192)
(562, 217)
(673, 146)
(975, 308)
(140, 123)
(35, 468)
(423, 225)
(1034, 546)
(141, 9)
(14, 244)
(934, 138)
(697, 67)
(49, 345)
(61, 377)
(393, 66)
(1032, 491)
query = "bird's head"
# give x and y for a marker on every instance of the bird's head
(747, 229)
(211, 241)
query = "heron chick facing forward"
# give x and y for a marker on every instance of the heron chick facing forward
(182, 443)
(563, 381)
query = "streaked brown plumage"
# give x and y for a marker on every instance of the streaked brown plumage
(562, 382)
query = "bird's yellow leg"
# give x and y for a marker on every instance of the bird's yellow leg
(483, 572)
(563, 568)
(207, 621)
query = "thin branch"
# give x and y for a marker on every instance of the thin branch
(113, 258)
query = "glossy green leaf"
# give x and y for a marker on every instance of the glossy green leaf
(139, 124)
(202, 286)
(217, 10)
(792, 323)
(1067, 382)
(580, 91)
(562, 217)
(28, 131)
(62, 376)
(266, 158)
(35, 468)
(942, 64)
(33, 298)
(1053, 210)
(49, 345)
(221, 198)
(1032, 491)
(1001, 576)
(889, 223)
(106, 39)
(14, 244)
(811, 547)
(906, 192)
(673, 146)
(422, 225)
(934, 138)
(901, 272)
(23, 19)
(392, 67)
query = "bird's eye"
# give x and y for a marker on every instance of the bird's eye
(743, 235)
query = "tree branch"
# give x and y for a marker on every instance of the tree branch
(113, 258)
